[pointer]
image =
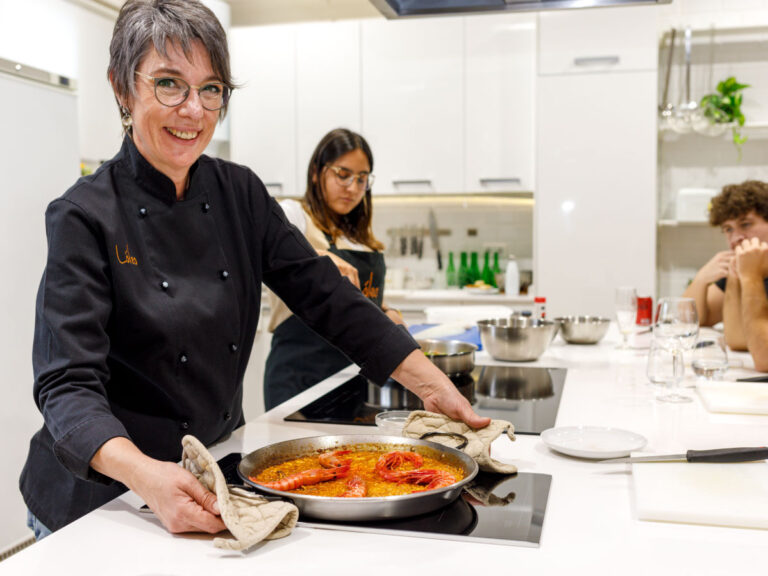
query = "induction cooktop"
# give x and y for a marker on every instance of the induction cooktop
(524, 395)
(494, 508)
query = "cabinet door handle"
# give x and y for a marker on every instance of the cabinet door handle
(420, 182)
(596, 61)
(485, 181)
(274, 185)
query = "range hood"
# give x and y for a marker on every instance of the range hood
(405, 8)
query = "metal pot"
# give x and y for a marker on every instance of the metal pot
(451, 356)
(394, 396)
(360, 509)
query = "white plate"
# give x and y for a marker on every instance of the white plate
(593, 441)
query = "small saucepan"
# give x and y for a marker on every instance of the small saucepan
(452, 356)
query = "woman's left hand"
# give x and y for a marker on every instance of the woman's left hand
(395, 316)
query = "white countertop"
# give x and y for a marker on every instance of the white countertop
(419, 299)
(590, 526)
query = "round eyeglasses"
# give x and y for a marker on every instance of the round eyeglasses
(345, 177)
(171, 91)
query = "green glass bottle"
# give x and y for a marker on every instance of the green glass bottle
(463, 271)
(474, 269)
(487, 274)
(496, 267)
(451, 277)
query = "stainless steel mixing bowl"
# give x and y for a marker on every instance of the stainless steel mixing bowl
(517, 338)
(583, 329)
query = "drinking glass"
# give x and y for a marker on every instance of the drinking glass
(665, 368)
(709, 359)
(626, 313)
(676, 319)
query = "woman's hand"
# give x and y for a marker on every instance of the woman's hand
(346, 269)
(434, 388)
(176, 497)
(395, 316)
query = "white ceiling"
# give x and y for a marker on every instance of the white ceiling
(254, 12)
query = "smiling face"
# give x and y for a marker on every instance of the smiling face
(173, 138)
(750, 225)
(339, 198)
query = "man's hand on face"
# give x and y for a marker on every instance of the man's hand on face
(752, 259)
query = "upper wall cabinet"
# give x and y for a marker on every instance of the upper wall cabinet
(263, 129)
(413, 103)
(604, 39)
(500, 63)
(327, 85)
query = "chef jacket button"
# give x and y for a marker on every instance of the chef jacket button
(224, 274)
(233, 347)
(164, 285)
(143, 212)
(184, 425)
(227, 416)
(205, 206)
(183, 358)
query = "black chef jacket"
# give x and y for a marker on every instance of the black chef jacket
(147, 311)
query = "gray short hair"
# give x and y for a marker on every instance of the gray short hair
(146, 24)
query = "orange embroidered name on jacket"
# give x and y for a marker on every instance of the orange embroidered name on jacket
(369, 290)
(128, 259)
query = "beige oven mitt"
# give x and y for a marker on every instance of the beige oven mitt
(249, 517)
(444, 430)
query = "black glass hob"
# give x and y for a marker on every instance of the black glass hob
(524, 395)
(493, 508)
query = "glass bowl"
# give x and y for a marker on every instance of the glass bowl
(392, 421)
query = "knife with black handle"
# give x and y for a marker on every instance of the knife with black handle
(719, 455)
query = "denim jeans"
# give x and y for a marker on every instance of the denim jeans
(40, 529)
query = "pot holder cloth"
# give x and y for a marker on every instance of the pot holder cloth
(249, 517)
(443, 430)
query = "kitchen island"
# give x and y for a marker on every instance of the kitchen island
(590, 525)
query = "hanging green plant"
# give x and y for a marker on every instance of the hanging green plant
(725, 108)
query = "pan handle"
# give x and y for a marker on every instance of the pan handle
(463, 441)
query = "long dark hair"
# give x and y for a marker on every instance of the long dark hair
(357, 224)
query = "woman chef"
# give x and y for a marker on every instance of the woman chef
(149, 301)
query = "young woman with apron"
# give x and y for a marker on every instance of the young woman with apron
(335, 217)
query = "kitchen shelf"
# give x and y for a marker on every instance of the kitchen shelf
(683, 223)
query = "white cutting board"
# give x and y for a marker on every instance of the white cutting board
(734, 397)
(715, 494)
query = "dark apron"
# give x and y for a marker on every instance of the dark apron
(299, 358)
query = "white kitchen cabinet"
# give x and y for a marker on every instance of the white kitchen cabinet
(413, 103)
(500, 61)
(263, 121)
(599, 40)
(327, 86)
(595, 212)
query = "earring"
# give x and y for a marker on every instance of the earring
(125, 117)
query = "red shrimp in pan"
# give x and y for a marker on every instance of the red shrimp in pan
(387, 464)
(332, 460)
(356, 488)
(305, 478)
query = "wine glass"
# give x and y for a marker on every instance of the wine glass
(665, 368)
(709, 359)
(626, 313)
(677, 319)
